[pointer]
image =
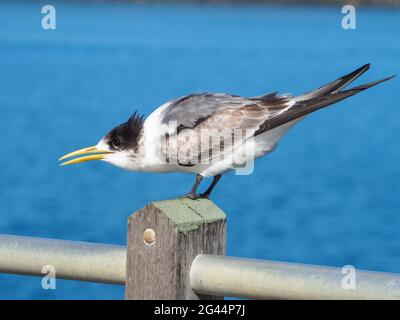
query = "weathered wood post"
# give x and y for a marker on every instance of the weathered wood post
(163, 239)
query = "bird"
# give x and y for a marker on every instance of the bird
(208, 134)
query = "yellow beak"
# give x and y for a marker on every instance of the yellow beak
(92, 154)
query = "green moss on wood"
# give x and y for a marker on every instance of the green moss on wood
(189, 214)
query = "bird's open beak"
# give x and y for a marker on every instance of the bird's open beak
(92, 153)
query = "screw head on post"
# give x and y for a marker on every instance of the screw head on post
(149, 236)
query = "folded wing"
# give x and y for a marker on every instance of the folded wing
(202, 123)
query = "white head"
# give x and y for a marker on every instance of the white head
(120, 147)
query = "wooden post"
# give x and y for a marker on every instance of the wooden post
(163, 239)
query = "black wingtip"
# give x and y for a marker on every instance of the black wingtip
(362, 69)
(349, 78)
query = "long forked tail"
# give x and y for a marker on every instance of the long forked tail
(320, 98)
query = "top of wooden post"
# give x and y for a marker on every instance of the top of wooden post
(189, 214)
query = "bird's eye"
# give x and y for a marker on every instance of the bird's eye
(116, 142)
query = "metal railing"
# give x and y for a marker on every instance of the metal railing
(71, 259)
(262, 279)
(212, 275)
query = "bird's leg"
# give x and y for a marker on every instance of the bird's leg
(207, 193)
(192, 194)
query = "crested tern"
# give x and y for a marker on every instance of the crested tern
(208, 133)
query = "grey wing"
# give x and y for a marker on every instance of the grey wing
(189, 111)
(191, 114)
(208, 124)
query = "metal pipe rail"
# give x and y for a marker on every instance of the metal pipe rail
(261, 279)
(210, 275)
(72, 260)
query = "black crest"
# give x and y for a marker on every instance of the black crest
(127, 134)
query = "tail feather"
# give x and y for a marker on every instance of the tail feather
(320, 98)
(371, 84)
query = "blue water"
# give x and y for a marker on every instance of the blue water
(330, 193)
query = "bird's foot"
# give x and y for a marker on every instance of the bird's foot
(192, 196)
(204, 195)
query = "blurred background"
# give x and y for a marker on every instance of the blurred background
(330, 193)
